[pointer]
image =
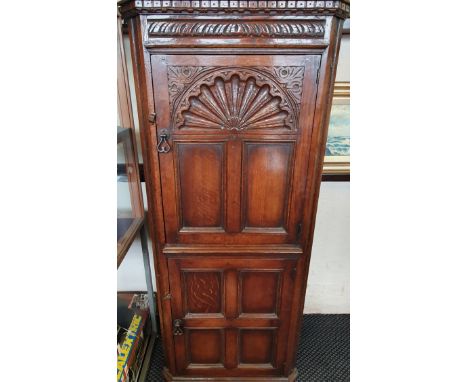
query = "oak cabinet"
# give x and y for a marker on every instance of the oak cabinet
(233, 101)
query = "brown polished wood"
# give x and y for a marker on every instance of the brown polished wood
(234, 100)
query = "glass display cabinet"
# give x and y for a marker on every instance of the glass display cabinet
(136, 335)
(130, 210)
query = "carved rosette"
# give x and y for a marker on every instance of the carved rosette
(235, 98)
(179, 77)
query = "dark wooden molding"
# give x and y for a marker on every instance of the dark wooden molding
(339, 8)
(238, 28)
(325, 177)
(346, 28)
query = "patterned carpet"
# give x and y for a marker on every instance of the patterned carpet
(323, 354)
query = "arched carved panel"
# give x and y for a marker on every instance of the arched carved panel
(235, 98)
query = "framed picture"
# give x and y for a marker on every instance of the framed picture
(337, 152)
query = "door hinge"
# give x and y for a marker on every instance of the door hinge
(299, 230)
(293, 273)
(167, 296)
(152, 117)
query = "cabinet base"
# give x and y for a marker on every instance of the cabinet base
(169, 377)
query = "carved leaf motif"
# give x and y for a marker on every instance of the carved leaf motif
(179, 76)
(284, 28)
(291, 77)
(235, 105)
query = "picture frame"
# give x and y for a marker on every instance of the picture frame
(337, 156)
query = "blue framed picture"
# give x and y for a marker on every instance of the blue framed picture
(337, 152)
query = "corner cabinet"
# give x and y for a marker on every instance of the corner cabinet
(234, 100)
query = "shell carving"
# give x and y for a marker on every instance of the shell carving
(235, 104)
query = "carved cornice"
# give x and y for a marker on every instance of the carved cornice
(280, 28)
(339, 8)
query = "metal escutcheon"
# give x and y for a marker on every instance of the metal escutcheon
(178, 328)
(163, 144)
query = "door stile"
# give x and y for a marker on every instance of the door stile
(231, 294)
(303, 144)
(231, 312)
(177, 314)
(285, 311)
(142, 71)
(232, 346)
(233, 194)
(166, 160)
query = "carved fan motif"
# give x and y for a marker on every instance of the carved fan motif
(235, 104)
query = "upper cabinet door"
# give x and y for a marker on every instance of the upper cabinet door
(234, 134)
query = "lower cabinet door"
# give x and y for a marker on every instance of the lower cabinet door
(231, 315)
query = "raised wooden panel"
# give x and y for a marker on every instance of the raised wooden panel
(266, 183)
(201, 184)
(259, 292)
(257, 346)
(203, 292)
(205, 346)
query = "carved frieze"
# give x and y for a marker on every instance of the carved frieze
(236, 98)
(207, 28)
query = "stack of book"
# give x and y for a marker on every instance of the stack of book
(133, 332)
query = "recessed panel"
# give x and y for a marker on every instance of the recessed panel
(259, 292)
(256, 346)
(205, 346)
(202, 292)
(201, 185)
(266, 177)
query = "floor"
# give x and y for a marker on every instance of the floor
(323, 354)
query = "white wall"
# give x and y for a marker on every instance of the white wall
(328, 283)
(342, 71)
